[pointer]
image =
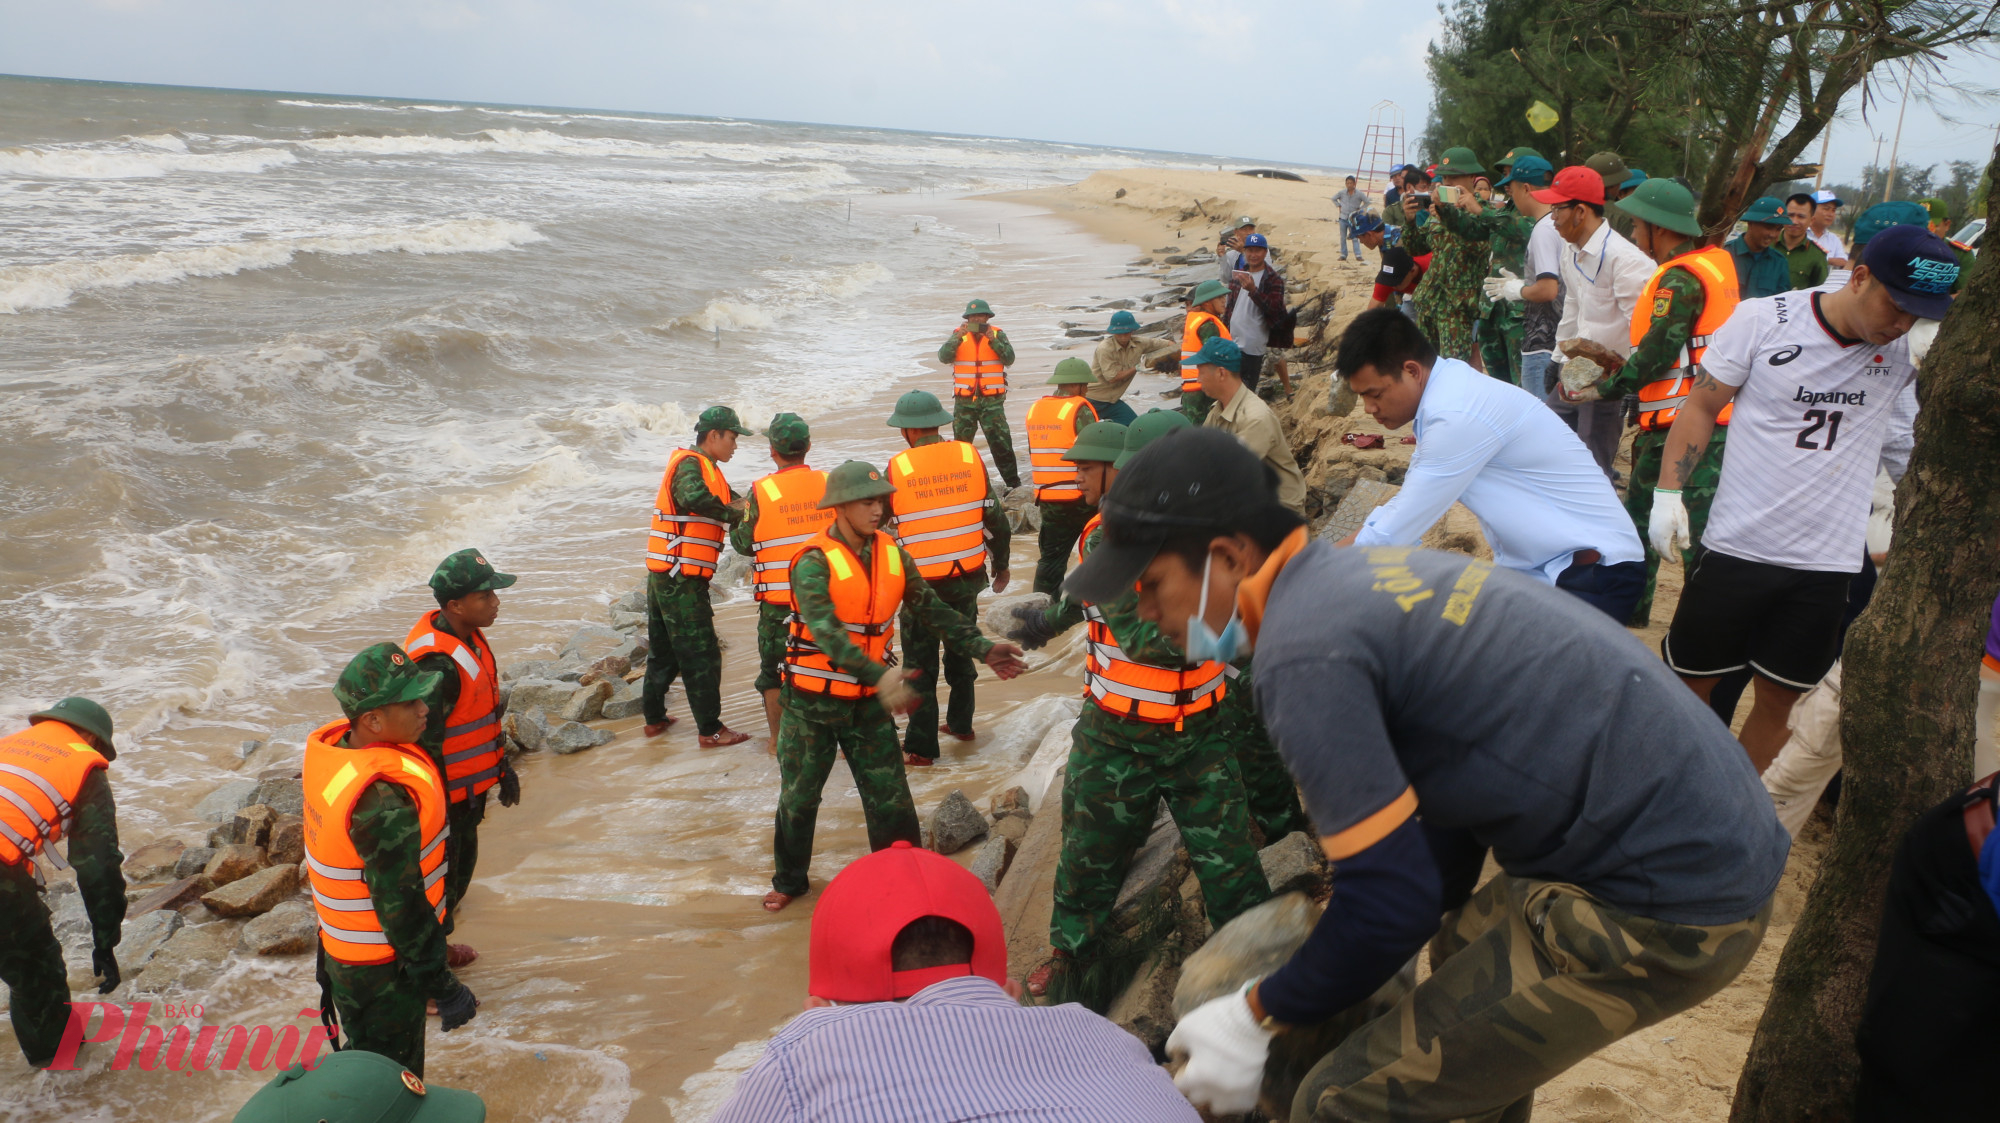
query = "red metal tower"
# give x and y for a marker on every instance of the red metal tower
(1381, 146)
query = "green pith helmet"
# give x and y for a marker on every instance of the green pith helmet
(1663, 203)
(1099, 440)
(381, 675)
(789, 434)
(856, 479)
(1072, 372)
(1206, 291)
(1149, 428)
(1514, 154)
(464, 573)
(84, 714)
(352, 1086)
(1769, 210)
(1459, 161)
(977, 307)
(919, 409)
(1611, 168)
(719, 417)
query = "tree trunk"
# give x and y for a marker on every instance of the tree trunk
(1910, 682)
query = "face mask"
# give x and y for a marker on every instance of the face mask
(1202, 642)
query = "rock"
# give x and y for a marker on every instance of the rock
(636, 650)
(633, 601)
(1363, 497)
(1294, 864)
(154, 861)
(526, 728)
(250, 826)
(1154, 877)
(255, 894)
(288, 840)
(574, 737)
(1013, 828)
(627, 700)
(284, 795)
(956, 824)
(218, 805)
(283, 748)
(628, 621)
(546, 695)
(531, 668)
(731, 573)
(999, 614)
(587, 704)
(233, 863)
(288, 929)
(591, 643)
(1013, 801)
(172, 896)
(247, 749)
(193, 861)
(1146, 1007)
(1027, 892)
(990, 864)
(190, 961)
(144, 935)
(1249, 947)
(1052, 747)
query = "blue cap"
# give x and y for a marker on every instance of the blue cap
(1365, 223)
(1122, 323)
(1916, 266)
(1256, 241)
(1217, 351)
(1531, 170)
(1637, 177)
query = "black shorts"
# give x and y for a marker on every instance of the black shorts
(1782, 623)
(1250, 371)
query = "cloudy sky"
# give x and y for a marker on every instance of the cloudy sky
(1278, 80)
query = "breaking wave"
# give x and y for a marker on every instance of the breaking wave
(148, 157)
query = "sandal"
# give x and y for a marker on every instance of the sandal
(722, 738)
(956, 735)
(656, 730)
(1038, 980)
(1362, 440)
(774, 900)
(912, 760)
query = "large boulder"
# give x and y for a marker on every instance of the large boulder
(234, 863)
(956, 824)
(530, 668)
(189, 962)
(587, 704)
(1012, 802)
(219, 805)
(592, 642)
(1145, 1009)
(287, 929)
(627, 700)
(288, 840)
(1249, 947)
(1294, 864)
(574, 737)
(154, 861)
(1027, 892)
(285, 795)
(633, 601)
(526, 728)
(143, 936)
(544, 694)
(989, 865)
(1154, 877)
(171, 896)
(193, 861)
(255, 894)
(628, 621)
(250, 826)
(611, 668)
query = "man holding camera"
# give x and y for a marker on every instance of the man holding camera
(1452, 297)
(980, 354)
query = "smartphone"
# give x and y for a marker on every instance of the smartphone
(1447, 194)
(1423, 199)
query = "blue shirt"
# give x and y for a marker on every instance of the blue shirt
(1759, 274)
(956, 1051)
(1493, 446)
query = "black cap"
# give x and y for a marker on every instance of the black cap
(1189, 480)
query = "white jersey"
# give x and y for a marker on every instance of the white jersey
(1812, 412)
(1830, 242)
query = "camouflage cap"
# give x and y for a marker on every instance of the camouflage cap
(720, 417)
(84, 714)
(1071, 372)
(381, 675)
(789, 434)
(465, 572)
(1099, 440)
(1148, 428)
(352, 1086)
(856, 479)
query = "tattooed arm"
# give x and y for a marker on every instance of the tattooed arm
(1688, 439)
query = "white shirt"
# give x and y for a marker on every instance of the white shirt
(1545, 254)
(1812, 414)
(1493, 446)
(1246, 324)
(1602, 280)
(1830, 242)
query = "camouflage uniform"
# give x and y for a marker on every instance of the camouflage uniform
(1272, 795)
(1506, 231)
(770, 617)
(817, 726)
(680, 621)
(31, 959)
(1062, 523)
(986, 411)
(921, 644)
(1194, 403)
(462, 848)
(1677, 304)
(1452, 296)
(1526, 980)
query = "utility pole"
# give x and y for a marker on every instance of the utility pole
(1908, 73)
(1825, 142)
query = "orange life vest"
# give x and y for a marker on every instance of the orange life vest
(866, 600)
(681, 544)
(788, 516)
(42, 771)
(1141, 691)
(1660, 400)
(976, 370)
(1052, 425)
(335, 777)
(472, 748)
(1191, 346)
(940, 507)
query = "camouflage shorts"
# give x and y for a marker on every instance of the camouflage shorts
(1527, 979)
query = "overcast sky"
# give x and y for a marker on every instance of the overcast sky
(1278, 80)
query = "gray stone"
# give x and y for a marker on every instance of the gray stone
(633, 601)
(628, 621)
(592, 642)
(1013, 801)
(1154, 877)
(288, 929)
(547, 695)
(1362, 498)
(633, 650)
(247, 748)
(990, 864)
(143, 936)
(611, 668)
(627, 700)
(154, 861)
(574, 737)
(956, 824)
(172, 896)
(233, 863)
(1014, 828)
(529, 668)
(285, 795)
(190, 961)
(222, 803)
(1294, 864)
(1027, 892)
(1146, 1007)
(587, 704)
(288, 840)
(731, 573)
(283, 747)
(526, 728)
(251, 827)
(193, 861)
(255, 894)
(1249, 947)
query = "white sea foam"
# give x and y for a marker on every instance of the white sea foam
(147, 158)
(502, 141)
(53, 285)
(788, 291)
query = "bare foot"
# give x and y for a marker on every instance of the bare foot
(656, 730)
(774, 900)
(914, 761)
(723, 737)
(966, 736)
(459, 955)
(430, 1007)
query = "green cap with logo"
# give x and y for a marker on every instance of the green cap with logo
(1149, 428)
(977, 307)
(356, 1087)
(1663, 203)
(789, 435)
(1881, 217)
(466, 572)
(1940, 210)
(84, 714)
(1459, 161)
(1071, 372)
(382, 675)
(720, 417)
(1768, 210)
(1099, 440)
(1206, 291)
(919, 409)
(856, 479)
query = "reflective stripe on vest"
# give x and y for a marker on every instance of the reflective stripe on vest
(788, 516)
(1191, 346)
(680, 544)
(865, 600)
(1121, 685)
(940, 507)
(1052, 426)
(1660, 400)
(976, 369)
(472, 746)
(42, 772)
(334, 780)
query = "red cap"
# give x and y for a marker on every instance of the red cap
(867, 904)
(1573, 185)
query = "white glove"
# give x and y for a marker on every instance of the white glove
(1225, 1050)
(1579, 379)
(1921, 335)
(1668, 528)
(1506, 286)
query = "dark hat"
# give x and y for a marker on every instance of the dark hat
(1366, 223)
(919, 409)
(720, 417)
(1916, 266)
(1217, 351)
(1882, 216)
(1637, 177)
(789, 434)
(84, 714)
(1256, 241)
(1122, 323)
(1191, 480)
(1768, 210)
(1610, 168)
(1100, 441)
(381, 675)
(465, 572)
(1514, 155)
(1530, 169)
(856, 479)
(356, 1087)
(1206, 291)
(1148, 428)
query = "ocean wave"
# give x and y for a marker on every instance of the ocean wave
(531, 142)
(762, 309)
(155, 159)
(29, 287)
